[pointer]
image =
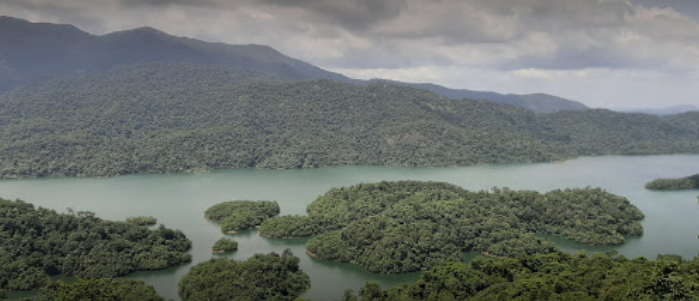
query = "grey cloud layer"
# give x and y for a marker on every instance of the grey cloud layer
(522, 37)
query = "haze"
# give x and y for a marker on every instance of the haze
(604, 53)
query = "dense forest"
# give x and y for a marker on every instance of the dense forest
(38, 243)
(691, 182)
(270, 277)
(398, 227)
(142, 220)
(107, 289)
(236, 216)
(558, 276)
(156, 118)
(224, 245)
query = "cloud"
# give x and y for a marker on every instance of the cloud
(353, 15)
(436, 40)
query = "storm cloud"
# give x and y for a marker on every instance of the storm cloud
(609, 53)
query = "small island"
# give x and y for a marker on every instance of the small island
(691, 182)
(237, 216)
(225, 245)
(142, 220)
(262, 277)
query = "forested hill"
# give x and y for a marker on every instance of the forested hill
(173, 117)
(31, 52)
(34, 52)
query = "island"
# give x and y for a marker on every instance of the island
(38, 243)
(408, 226)
(262, 277)
(142, 220)
(691, 182)
(225, 245)
(237, 216)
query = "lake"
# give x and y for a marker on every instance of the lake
(179, 201)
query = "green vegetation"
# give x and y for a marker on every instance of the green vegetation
(224, 245)
(397, 227)
(142, 220)
(262, 277)
(157, 118)
(291, 226)
(101, 290)
(37, 243)
(556, 276)
(691, 182)
(236, 216)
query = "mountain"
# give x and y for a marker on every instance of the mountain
(164, 117)
(663, 111)
(33, 52)
(539, 102)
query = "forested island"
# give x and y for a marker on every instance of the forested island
(398, 227)
(38, 243)
(167, 117)
(558, 276)
(691, 182)
(225, 245)
(237, 216)
(263, 277)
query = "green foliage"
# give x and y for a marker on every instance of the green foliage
(291, 226)
(37, 243)
(397, 227)
(240, 215)
(157, 118)
(270, 277)
(142, 220)
(556, 276)
(225, 245)
(691, 182)
(101, 290)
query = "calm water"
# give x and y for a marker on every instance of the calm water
(179, 201)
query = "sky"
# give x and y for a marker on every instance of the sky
(603, 53)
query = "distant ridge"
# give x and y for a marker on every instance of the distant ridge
(33, 52)
(662, 111)
(539, 102)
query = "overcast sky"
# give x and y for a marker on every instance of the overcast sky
(604, 53)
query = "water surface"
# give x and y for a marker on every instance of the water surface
(179, 201)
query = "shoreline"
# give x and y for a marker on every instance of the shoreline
(311, 254)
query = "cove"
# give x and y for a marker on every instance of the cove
(179, 201)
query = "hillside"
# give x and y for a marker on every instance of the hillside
(172, 118)
(34, 52)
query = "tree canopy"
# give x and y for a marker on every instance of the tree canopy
(263, 277)
(691, 182)
(236, 216)
(397, 227)
(156, 118)
(557, 276)
(38, 243)
(100, 290)
(224, 245)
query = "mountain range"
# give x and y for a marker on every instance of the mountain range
(33, 52)
(142, 101)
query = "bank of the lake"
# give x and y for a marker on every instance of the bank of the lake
(179, 201)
